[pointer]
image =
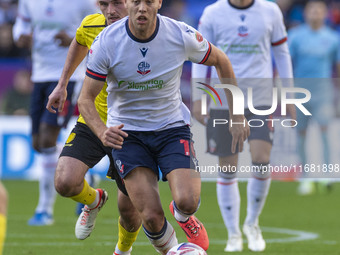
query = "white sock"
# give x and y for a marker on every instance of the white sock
(47, 192)
(96, 201)
(257, 191)
(163, 240)
(119, 252)
(229, 200)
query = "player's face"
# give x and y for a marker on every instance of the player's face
(113, 10)
(316, 12)
(142, 15)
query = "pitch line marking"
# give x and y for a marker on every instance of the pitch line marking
(297, 235)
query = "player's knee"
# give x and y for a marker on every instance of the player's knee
(227, 174)
(260, 158)
(188, 203)
(153, 220)
(63, 186)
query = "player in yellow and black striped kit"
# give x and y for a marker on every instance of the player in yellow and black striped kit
(83, 149)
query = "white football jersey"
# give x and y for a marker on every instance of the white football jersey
(46, 18)
(143, 76)
(246, 35)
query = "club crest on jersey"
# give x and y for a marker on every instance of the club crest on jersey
(49, 11)
(143, 68)
(143, 51)
(242, 31)
(120, 166)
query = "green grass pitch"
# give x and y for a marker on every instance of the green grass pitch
(291, 224)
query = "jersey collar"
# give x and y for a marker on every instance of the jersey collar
(139, 40)
(241, 8)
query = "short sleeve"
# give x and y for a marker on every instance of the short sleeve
(197, 47)
(205, 27)
(97, 61)
(80, 37)
(279, 34)
(23, 21)
(292, 42)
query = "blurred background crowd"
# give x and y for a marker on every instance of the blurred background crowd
(15, 63)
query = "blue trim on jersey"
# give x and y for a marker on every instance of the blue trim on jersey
(139, 40)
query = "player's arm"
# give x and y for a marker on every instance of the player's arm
(22, 29)
(75, 56)
(281, 54)
(225, 72)
(113, 136)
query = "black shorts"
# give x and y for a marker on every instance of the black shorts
(219, 138)
(84, 145)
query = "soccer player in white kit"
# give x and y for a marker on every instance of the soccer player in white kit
(246, 31)
(49, 25)
(141, 58)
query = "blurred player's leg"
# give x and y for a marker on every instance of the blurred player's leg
(129, 225)
(49, 158)
(3, 218)
(229, 200)
(257, 192)
(306, 186)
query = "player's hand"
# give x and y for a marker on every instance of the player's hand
(240, 131)
(196, 112)
(24, 41)
(114, 137)
(63, 39)
(57, 99)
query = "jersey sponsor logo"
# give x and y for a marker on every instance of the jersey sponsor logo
(143, 68)
(144, 51)
(147, 85)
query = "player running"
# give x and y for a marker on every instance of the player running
(314, 70)
(83, 149)
(141, 57)
(48, 27)
(253, 28)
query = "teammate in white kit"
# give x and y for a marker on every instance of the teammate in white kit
(246, 30)
(141, 58)
(50, 26)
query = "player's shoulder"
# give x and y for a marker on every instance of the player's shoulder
(96, 19)
(271, 8)
(171, 25)
(115, 30)
(297, 31)
(211, 9)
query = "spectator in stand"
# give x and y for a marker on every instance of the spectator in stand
(17, 99)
